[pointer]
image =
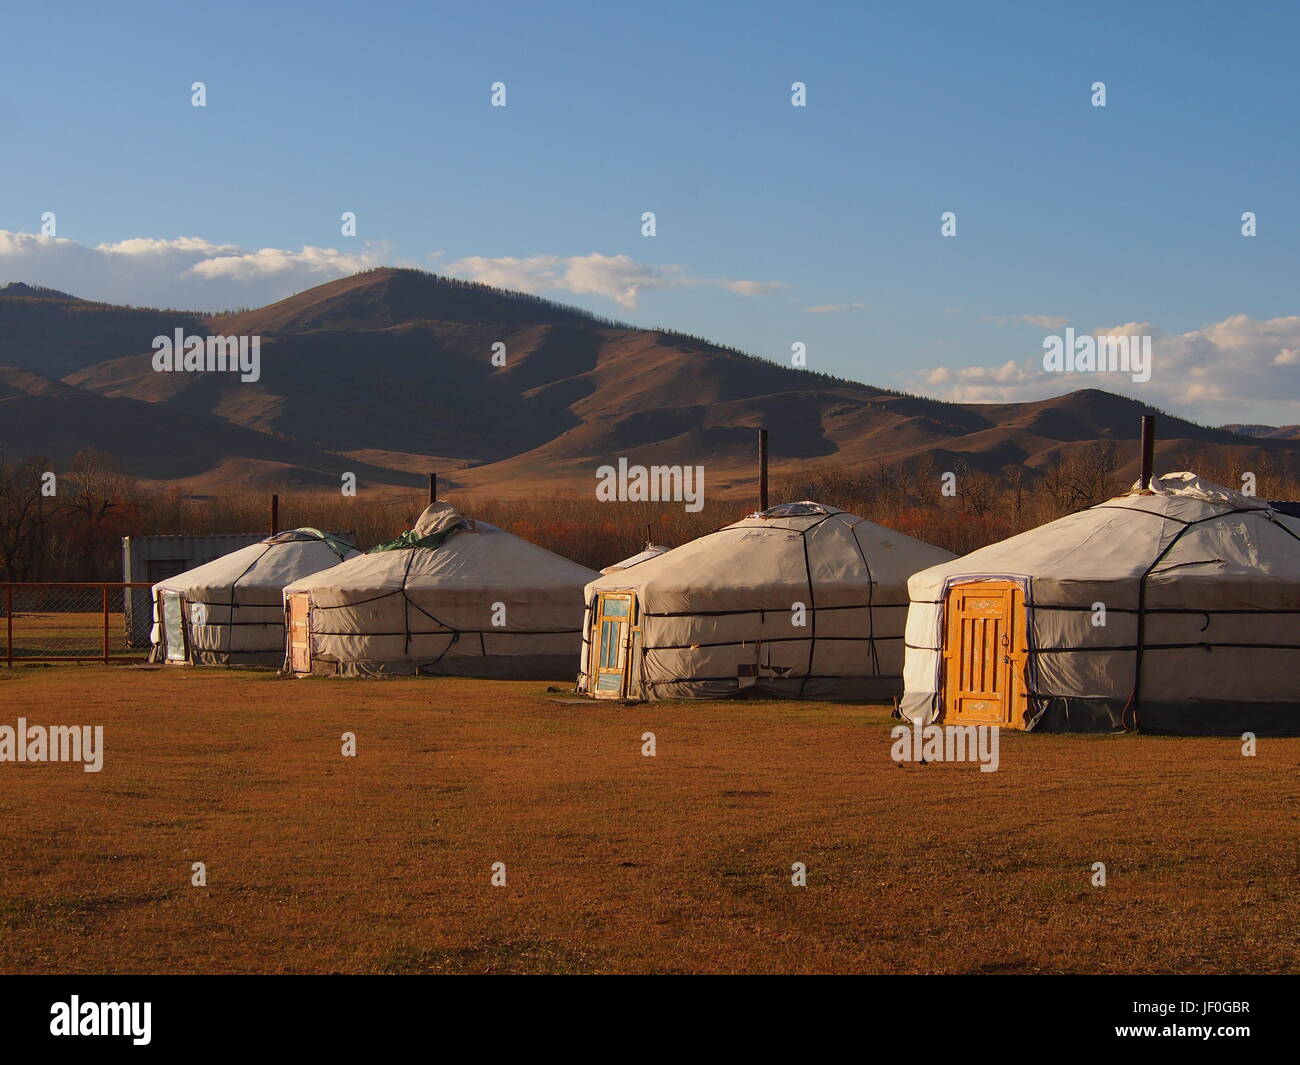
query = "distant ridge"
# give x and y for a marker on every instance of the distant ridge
(390, 374)
(1266, 432)
(387, 296)
(19, 290)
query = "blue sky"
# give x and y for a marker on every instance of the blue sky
(1066, 213)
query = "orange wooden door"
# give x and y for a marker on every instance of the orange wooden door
(985, 653)
(300, 633)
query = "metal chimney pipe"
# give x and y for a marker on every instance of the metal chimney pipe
(762, 469)
(433, 488)
(1148, 449)
(275, 514)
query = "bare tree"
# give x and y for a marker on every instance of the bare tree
(25, 514)
(1014, 476)
(95, 486)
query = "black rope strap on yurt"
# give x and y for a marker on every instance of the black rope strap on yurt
(231, 607)
(812, 603)
(589, 619)
(637, 615)
(766, 610)
(436, 619)
(871, 596)
(459, 632)
(1134, 703)
(770, 639)
(278, 540)
(812, 617)
(406, 632)
(815, 676)
(871, 606)
(455, 638)
(641, 613)
(1208, 645)
(230, 624)
(407, 603)
(1171, 609)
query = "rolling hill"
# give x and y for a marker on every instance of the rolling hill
(1266, 432)
(390, 373)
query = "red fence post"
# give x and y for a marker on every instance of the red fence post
(9, 626)
(105, 591)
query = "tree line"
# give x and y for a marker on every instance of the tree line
(68, 525)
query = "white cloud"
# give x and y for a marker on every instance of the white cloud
(1226, 371)
(524, 275)
(184, 272)
(195, 274)
(835, 308)
(753, 288)
(1044, 321)
(276, 262)
(617, 277)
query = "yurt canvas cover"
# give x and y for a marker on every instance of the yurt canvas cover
(1175, 609)
(644, 555)
(451, 596)
(800, 601)
(230, 611)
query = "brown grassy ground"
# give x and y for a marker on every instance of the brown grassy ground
(616, 862)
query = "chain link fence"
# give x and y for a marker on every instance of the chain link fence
(71, 623)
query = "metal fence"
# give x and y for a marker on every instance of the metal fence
(68, 623)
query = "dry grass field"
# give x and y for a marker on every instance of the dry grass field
(617, 862)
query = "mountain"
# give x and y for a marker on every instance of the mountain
(1266, 432)
(391, 373)
(17, 290)
(56, 334)
(378, 299)
(158, 441)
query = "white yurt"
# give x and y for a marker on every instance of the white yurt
(644, 555)
(799, 601)
(1173, 609)
(451, 596)
(230, 611)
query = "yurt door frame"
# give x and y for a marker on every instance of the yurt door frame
(985, 654)
(298, 626)
(611, 633)
(171, 619)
